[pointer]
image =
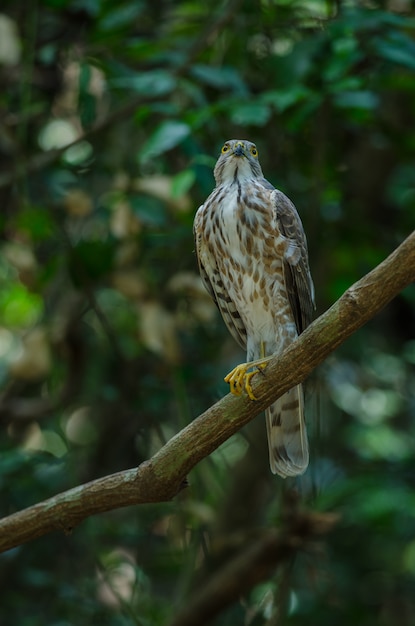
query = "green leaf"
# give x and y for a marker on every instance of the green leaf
(182, 182)
(359, 19)
(167, 136)
(345, 54)
(121, 16)
(348, 83)
(399, 50)
(156, 83)
(282, 99)
(382, 442)
(19, 307)
(219, 77)
(251, 114)
(366, 100)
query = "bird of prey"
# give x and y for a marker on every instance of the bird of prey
(253, 260)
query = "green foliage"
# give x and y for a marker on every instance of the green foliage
(109, 344)
(167, 136)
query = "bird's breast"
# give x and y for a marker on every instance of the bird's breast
(248, 250)
(246, 226)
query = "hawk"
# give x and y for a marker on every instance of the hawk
(253, 260)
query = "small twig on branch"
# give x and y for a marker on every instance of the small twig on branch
(162, 477)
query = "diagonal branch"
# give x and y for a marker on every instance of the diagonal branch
(164, 475)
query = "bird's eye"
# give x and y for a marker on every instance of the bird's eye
(225, 148)
(254, 152)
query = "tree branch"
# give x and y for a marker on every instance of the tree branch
(254, 563)
(164, 475)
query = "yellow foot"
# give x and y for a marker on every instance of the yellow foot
(239, 378)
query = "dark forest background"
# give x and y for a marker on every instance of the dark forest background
(109, 344)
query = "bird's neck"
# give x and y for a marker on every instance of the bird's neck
(237, 173)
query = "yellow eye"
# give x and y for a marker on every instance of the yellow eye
(225, 148)
(254, 151)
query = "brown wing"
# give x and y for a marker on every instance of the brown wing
(212, 281)
(297, 272)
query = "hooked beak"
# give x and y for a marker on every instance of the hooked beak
(239, 149)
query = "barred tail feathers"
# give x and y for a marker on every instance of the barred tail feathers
(287, 435)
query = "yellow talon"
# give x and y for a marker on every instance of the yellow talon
(239, 378)
(248, 386)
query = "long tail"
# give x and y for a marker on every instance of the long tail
(287, 434)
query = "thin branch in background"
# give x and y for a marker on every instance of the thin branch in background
(253, 564)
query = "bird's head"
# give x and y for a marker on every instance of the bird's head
(238, 160)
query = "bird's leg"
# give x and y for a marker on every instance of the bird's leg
(240, 378)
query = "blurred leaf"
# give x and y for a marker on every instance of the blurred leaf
(378, 502)
(357, 100)
(150, 210)
(142, 48)
(224, 78)
(121, 16)
(167, 136)
(345, 54)
(254, 114)
(345, 84)
(381, 442)
(397, 48)
(36, 222)
(282, 99)
(18, 307)
(182, 182)
(150, 83)
(90, 261)
(358, 18)
(303, 111)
